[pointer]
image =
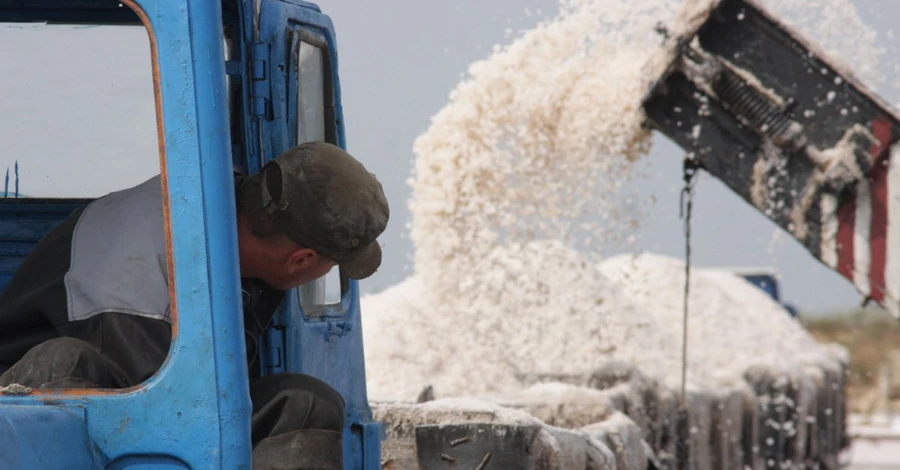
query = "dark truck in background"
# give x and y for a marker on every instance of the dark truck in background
(767, 280)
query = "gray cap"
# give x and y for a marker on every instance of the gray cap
(324, 199)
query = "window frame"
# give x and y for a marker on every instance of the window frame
(297, 34)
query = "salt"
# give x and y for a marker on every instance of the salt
(520, 178)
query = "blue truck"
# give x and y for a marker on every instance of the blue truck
(767, 280)
(234, 84)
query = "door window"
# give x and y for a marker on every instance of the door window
(315, 123)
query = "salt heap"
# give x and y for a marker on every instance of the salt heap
(568, 323)
(562, 319)
(732, 325)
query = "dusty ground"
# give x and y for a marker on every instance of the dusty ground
(873, 339)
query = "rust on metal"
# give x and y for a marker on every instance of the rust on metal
(459, 441)
(484, 461)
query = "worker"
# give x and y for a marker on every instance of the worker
(89, 306)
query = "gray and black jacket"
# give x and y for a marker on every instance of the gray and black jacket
(101, 276)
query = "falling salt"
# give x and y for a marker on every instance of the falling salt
(540, 136)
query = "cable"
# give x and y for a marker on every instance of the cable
(682, 446)
(686, 201)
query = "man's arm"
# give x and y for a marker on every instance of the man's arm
(137, 345)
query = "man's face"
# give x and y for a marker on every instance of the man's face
(299, 267)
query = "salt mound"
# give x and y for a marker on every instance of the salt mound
(732, 324)
(564, 317)
(569, 317)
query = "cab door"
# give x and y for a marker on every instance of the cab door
(294, 97)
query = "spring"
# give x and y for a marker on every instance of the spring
(761, 113)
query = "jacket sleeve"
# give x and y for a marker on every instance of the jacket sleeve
(137, 345)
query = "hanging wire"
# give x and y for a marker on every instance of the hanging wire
(686, 204)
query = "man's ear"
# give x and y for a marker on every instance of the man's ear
(300, 256)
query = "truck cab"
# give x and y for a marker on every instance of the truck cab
(111, 93)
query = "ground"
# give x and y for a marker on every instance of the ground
(873, 339)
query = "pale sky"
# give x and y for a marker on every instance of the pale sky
(399, 60)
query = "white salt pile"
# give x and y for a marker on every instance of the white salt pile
(732, 324)
(561, 319)
(518, 180)
(629, 308)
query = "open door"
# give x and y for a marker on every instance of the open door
(293, 96)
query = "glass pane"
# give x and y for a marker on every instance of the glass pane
(311, 95)
(78, 110)
(333, 286)
(311, 126)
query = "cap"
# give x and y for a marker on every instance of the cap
(324, 199)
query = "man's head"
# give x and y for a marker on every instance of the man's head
(312, 208)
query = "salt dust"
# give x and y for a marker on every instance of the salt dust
(520, 179)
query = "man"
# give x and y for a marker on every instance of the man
(89, 306)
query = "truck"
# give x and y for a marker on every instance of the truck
(229, 85)
(765, 279)
(233, 83)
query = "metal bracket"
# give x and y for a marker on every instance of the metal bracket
(371, 435)
(273, 350)
(260, 95)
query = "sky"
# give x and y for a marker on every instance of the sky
(67, 121)
(399, 60)
(79, 124)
